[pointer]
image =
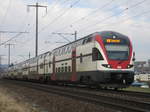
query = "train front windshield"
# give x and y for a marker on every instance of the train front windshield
(117, 52)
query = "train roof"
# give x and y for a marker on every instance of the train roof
(75, 41)
(104, 34)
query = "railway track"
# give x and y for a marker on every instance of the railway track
(137, 94)
(118, 92)
(123, 105)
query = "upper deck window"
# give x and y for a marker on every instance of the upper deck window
(87, 40)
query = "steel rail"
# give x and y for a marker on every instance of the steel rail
(106, 101)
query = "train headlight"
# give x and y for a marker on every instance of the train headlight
(106, 65)
(130, 66)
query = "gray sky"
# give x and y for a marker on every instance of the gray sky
(130, 17)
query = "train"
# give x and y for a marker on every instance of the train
(103, 58)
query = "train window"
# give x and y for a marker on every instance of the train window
(66, 50)
(63, 50)
(69, 49)
(69, 69)
(55, 53)
(62, 69)
(65, 69)
(84, 41)
(49, 64)
(89, 40)
(46, 68)
(58, 69)
(96, 55)
(60, 51)
(81, 58)
(41, 66)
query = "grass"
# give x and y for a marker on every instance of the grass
(10, 104)
(7, 104)
(138, 89)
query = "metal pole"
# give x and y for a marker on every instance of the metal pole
(36, 40)
(9, 54)
(29, 55)
(9, 46)
(36, 46)
(75, 35)
(0, 61)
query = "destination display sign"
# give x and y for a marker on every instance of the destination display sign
(113, 40)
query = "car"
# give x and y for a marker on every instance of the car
(140, 84)
(144, 86)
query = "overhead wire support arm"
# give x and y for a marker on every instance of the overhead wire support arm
(19, 33)
(89, 14)
(61, 34)
(12, 32)
(114, 15)
(59, 16)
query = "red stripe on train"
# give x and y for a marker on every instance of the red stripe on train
(74, 73)
(53, 76)
(115, 64)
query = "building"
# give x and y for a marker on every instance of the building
(142, 67)
(142, 77)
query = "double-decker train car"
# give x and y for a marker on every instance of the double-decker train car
(104, 58)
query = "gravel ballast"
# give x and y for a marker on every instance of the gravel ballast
(32, 100)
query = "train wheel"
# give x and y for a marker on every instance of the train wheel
(116, 89)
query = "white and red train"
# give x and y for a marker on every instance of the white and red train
(104, 58)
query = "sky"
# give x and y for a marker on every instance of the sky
(129, 17)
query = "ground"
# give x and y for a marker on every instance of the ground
(15, 98)
(138, 89)
(8, 103)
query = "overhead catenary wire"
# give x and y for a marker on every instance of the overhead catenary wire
(59, 16)
(104, 18)
(121, 21)
(130, 7)
(19, 33)
(54, 6)
(21, 27)
(5, 15)
(113, 15)
(3, 43)
(28, 29)
(89, 14)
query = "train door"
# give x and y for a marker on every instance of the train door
(44, 65)
(73, 77)
(53, 77)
